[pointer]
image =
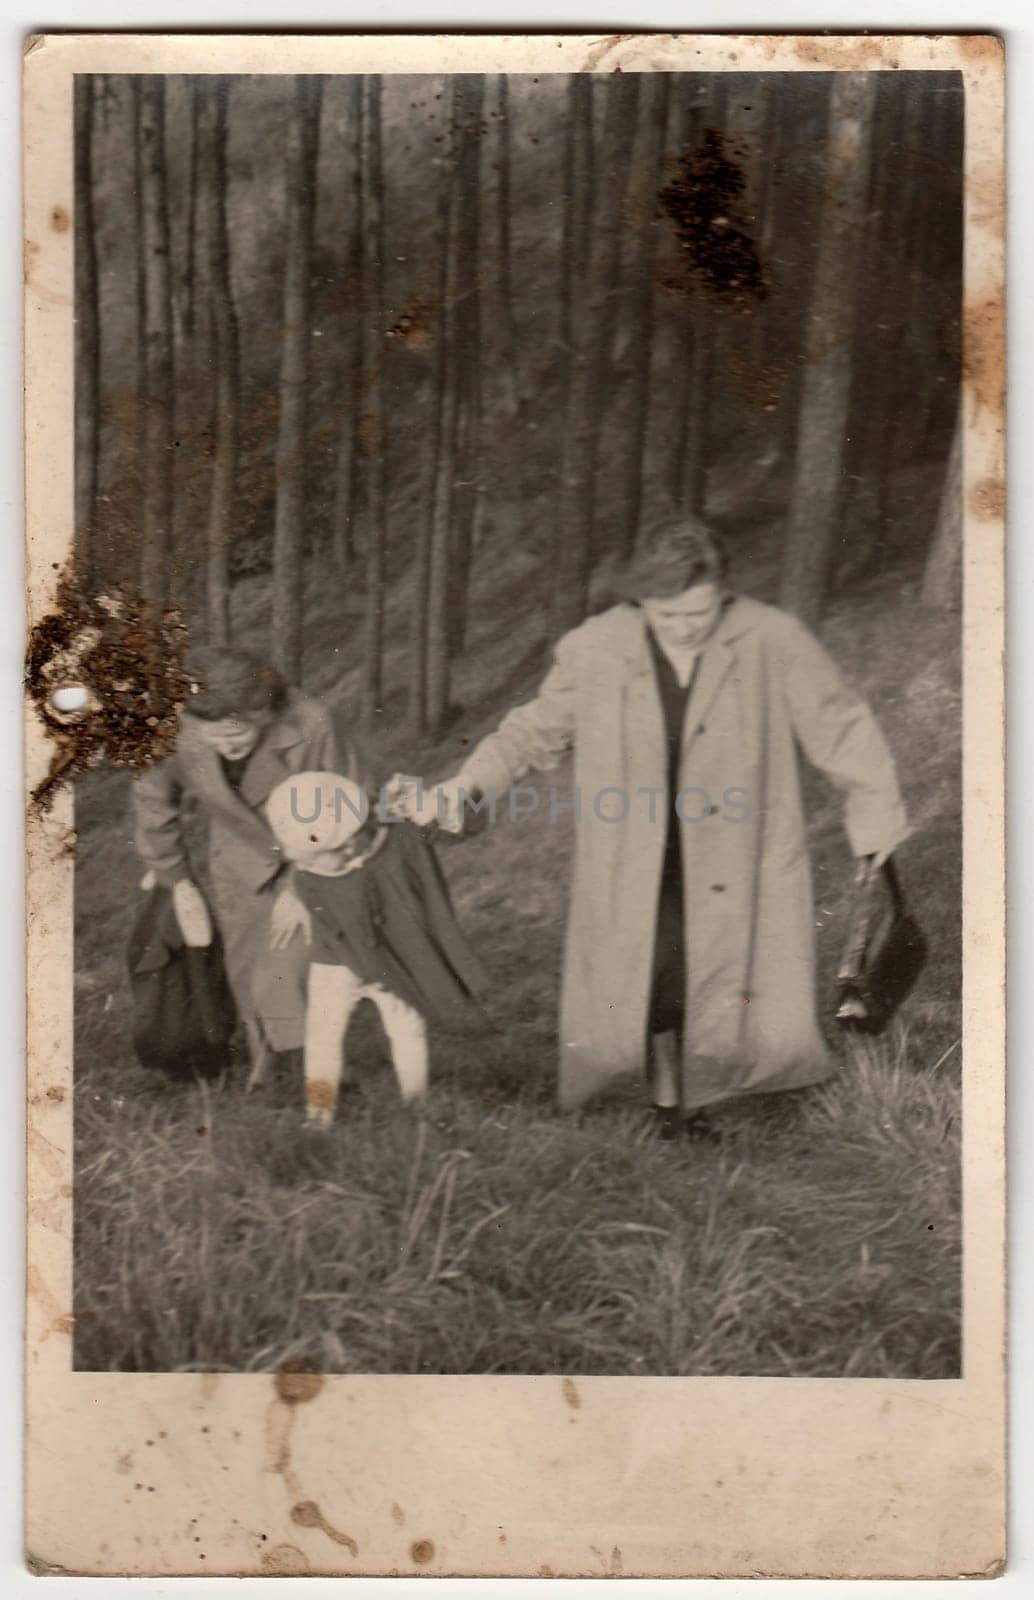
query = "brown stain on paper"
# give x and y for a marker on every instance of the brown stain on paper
(130, 661)
(294, 1387)
(983, 353)
(320, 1094)
(60, 221)
(987, 499)
(422, 1551)
(307, 1514)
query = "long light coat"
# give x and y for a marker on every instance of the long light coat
(764, 688)
(243, 856)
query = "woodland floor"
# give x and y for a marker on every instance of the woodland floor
(818, 1236)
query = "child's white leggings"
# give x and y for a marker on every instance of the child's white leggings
(334, 993)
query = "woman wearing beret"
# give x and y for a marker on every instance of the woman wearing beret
(690, 940)
(242, 732)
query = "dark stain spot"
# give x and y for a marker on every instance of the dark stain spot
(130, 662)
(307, 1514)
(570, 1393)
(987, 501)
(284, 1560)
(421, 1551)
(56, 1093)
(60, 221)
(320, 1094)
(295, 1386)
(702, 203)
(411, 330)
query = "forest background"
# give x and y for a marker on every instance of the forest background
(379, 379)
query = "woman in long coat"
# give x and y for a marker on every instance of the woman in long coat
(690, 941)
(241, 734)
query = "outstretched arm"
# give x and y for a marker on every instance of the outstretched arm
(532, 737)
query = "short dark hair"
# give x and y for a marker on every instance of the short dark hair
(231, 683)
(671, 557)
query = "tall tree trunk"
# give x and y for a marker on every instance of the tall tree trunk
(468, 100)
(897, 305)
(690, 455)
(212, 131)
(428, 678)
(138, 410)
(874, 351)
(159, 395)
(87, 335)
(942, 577)
(508, 348)
(189, 286)
(441, 500)
(345, 515)
(815, 496)
(766, 206)
(578, 208)
(641, 306)
(291, 447)
(373, 437)
(584, 407)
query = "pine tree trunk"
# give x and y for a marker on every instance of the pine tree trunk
(159, 397)
(441, 499)
(291, 449)
(591, 344)
(942, 577)
(189, 283)
(139, 406)
(346, 512)
(373, 437)
(873, 362)
(641, 307)
(578, 209)
(690, 457)
(508, 348)
(468, 101)
(437, 501)
(87, 335)
(815, 496)
(212, 131)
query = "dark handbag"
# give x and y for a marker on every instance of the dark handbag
(183, 1011)
(884, 951)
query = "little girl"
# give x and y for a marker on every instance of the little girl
(380, 927)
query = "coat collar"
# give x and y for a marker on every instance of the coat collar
(717, 658)
(737, 618)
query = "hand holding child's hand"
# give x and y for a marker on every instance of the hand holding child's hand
(426, 805)
(289, 916)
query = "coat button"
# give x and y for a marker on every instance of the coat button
(718, 888)
(702, 728)
(712, 811)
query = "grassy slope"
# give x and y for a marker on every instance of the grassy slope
(489, 1234)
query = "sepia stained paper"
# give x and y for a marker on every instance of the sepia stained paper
(296, 1471)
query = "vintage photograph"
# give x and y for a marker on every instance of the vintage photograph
(518, 925)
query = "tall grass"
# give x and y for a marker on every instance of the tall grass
(816, 1236)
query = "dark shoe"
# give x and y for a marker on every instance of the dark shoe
(699, 1128)
(667, 1123)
